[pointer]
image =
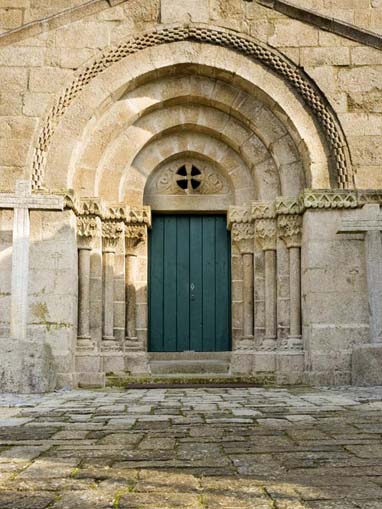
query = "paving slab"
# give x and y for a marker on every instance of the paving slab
(258, 448)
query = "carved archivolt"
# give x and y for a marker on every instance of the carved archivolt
(222, 37)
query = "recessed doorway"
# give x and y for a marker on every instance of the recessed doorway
(189, 284)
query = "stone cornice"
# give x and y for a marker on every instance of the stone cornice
(59, 19)
(320, 199)
(333, 25)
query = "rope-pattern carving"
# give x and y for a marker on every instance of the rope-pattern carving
(225, 38)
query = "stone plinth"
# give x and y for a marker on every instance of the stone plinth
(26, 367)
(367, 364)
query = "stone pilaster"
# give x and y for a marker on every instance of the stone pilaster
(87, 229)
(290, 229)
(242, 235)
(135, 234)
(111, 234)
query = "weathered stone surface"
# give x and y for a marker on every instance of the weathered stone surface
(366, 364)
(26, 366)
(121, 123)
(297, 449)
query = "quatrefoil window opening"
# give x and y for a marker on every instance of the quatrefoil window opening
(188, 177)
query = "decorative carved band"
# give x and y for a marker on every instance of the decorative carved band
(329, 199)
(239, 215)
(221, 37)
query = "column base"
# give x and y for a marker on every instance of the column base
(85, 343)
(26, 366)
(367, 364)
(110, 344)
(133, 344)
(294, 343)
(269, 345)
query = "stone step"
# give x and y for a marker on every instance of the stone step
(197, 366)
(190, 356)
(191, 380)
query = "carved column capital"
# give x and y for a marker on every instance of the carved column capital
(290, 229)
(243, 235)
(134, 235)
(266, 234)
(111, 233)
(87, 229)
(240, 223)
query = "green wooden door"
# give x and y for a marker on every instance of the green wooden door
(189, 284)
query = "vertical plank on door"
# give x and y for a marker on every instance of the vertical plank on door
(209, 296)
(196, 284)
(169, 283)
(183, 283)
(223, 277)
(156, 295)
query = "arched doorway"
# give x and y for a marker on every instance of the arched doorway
(189, 284)
(168, 106)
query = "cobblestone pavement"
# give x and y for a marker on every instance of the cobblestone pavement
(192, 448)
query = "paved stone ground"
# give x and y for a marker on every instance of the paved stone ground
(193, 448)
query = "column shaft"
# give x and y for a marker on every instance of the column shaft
(295, 291)
(270, 295)
(108, 304)
(374, 282)
(130, 268)
(247, 259)
(20, 269)
(84, 292)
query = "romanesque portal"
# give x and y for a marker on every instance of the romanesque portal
(190, 191)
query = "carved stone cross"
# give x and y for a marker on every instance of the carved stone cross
(369, 222)
(21, 202)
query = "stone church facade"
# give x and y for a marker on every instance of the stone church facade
(195, 179)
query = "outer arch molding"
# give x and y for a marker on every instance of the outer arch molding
(243, 44)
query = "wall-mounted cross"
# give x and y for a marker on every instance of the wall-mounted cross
(22, 201)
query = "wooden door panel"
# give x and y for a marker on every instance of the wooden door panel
(189, 284)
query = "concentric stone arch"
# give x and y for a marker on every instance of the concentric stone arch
(248, 46)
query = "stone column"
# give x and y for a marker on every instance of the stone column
(111, 232)
(290, 227)
(266, 235)
(86, 231)
(134, 235)
(242, 234)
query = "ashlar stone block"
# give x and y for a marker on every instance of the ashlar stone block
(173, 11)
(366, 364)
